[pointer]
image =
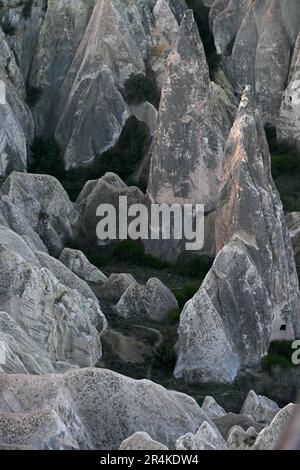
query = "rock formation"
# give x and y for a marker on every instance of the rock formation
(154, 301)
(251, 294)
(86, 406)
(265, 32)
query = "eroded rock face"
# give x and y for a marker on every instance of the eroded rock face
(115, 286)
(239, 439)
(99, 44)
(288, 125)
(187, 148)
(261, 408)
(141, 441)
(105, 190)
(45, 326)
(269, 437)
(154, 301)
(257, 30)
(44, 203)
(251, 294)
(211, 407)
(88, 404)
(77, 262)
(188, 143)
(206, 438)
(293, 223)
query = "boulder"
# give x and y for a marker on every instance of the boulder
(251, 294)
(269, 437)
(64, 275)
(115, 286)
(141, 441)
(88, 404)
(239, 439)
(226, 423)
(77, 262)
(261, 408)
(12, 217)
(206, 438)
(105, 190)
(62, 325)
(46, 206)
(211, 407)
(152, 301)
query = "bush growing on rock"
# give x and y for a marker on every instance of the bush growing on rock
(46, 158)
(139, 88)
(279, 354)
(8, 28)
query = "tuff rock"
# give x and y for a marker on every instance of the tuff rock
(251, 295)
(86, 405)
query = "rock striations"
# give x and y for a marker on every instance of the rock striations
(251, 294)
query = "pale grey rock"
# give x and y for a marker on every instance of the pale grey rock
(77, 262)
(146, 113)
(256, 30)
(12, 241)
(251, 295)
(65, 275)
(211, 407)
(141, 441)
(89, 403)
(239, 439)
(60, 322)
(192, 126)
(115, 286)
(52, 59)
(46, 205)
(188, 142)
(269, 437)
(293, 223)
(105, 190)
(153, 301)
(288, 125)
(27, 29)
(226, 423)
(206, 438)
(261, 408)
(12, 217)
(35, 427)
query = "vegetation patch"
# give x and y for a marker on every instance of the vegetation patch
(201, 14)
(140, 87)
(279, 354)
(8, 28)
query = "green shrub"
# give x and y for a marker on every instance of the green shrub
(129, 250)
(201, 14)
(139, 88)
(122, 159)
(164, 357)
(279, 354)
(133, 252)
(8, 28)
(34, 94)
(45, 158)
(174, 315)
(186, 292)
(27, 8)
(194, 266)
(285, 163)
